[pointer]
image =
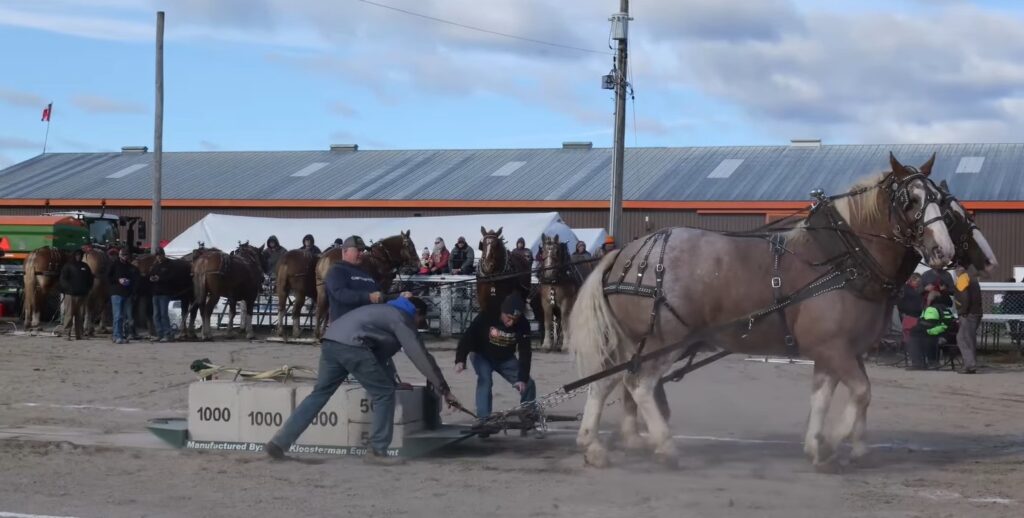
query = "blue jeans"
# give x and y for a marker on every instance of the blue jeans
(122, 308)
(337, 361)
(508, 369)
(160, 316)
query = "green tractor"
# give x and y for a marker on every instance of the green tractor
(20, 235)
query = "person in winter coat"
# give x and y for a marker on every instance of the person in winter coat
(461, 260)
(76, 281)
(161, 278)
(123, 278)
(968, 306)
(309, 245)
(439, 258)
(348, 285)
(425, 262)
(272, 254)
(361, 345)
(494, 339)
(924, 337)
(910, 305)
(523, 252)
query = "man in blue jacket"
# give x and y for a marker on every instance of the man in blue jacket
(348, 285)
(361, 344)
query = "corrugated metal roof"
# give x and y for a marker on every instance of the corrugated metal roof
(763, 173)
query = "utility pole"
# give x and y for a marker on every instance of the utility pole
(158, 136)
(620, 33)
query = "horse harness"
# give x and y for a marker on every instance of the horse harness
(853, 267)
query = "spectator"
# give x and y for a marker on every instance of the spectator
(122, 277)
(272, 254)
(348, 285)
(163, 289)
(461, 261)
(337, 243)
(309, 245)
(76, 281)
(924, 337)
(425, 261)
(439, 258)
(581, 253)
(608, 246)
(523, 252)
(910, 305)
(968, 306)
(937, 287)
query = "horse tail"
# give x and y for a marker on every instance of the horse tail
(594, 332)
(199, 287)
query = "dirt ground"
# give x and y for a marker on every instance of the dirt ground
(73, 443)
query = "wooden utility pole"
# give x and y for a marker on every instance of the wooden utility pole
(620, 24)
(158, 136)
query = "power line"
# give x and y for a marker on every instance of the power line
(487, 31)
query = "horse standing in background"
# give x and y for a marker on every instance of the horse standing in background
(296, 275)
(558, 287)
(237, 276)
(496, 260)
(41, 277)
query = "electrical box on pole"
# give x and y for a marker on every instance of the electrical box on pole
(620, 26)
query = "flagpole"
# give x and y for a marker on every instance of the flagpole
(47, 137)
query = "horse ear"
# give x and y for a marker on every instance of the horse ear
(483, 231)
(543, 237)
(944, 186)
(926, 168)
(556, 239)
(499, 230)
(897, 167)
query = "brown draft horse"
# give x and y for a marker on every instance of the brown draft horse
(42, 274)
(558, 287)
(382, 260)
(296, 276)
(97, 303)
(181, 279)
(709, 285)
(237, 276)
(497, 261)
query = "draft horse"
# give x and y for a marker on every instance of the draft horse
(500, 272)
(558, 287)
(237, 276)
(822, 290)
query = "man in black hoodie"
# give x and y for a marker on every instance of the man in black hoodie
(494, 340)
(272, 254)
(309, 245)
(122, 277)
(75, 283)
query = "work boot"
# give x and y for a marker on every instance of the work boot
(377, 458)
(972, 370)
(274, 451)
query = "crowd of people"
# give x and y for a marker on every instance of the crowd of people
(926, 306)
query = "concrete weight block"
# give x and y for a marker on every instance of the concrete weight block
(263, 408)
(213, 411)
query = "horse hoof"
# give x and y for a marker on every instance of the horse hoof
(859, 451)
(596, 457)
(634, 442)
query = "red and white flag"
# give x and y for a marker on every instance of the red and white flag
(46, 112)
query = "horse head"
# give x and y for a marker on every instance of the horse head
(493, 254)
(916, 211)
(972, 248)
(556, 255)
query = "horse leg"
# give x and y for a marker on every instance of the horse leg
(207, 310)
(594, 453)
(548, 317)
(643, 390)
(282, 301)
(854, 421)
(232, 310)
(823, 387)
(300, 303)
(247, 310)
(193, 309)
(630, 430)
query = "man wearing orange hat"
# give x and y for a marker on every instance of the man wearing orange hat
(608, 246)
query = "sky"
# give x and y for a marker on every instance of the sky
(305, 74)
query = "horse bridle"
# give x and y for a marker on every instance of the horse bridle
(910, 230)
(550, 274)
(508, 256)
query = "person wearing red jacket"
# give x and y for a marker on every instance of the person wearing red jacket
(439, 259)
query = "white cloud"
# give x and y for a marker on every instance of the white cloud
(344, 109)
(19, 98)
(19, 143)
(99, 104)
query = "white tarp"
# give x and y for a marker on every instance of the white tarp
(593, 237)
(225, 231)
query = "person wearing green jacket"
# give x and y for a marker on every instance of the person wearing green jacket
(934, 321)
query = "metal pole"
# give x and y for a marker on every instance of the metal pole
(618, 147)
(158, 135)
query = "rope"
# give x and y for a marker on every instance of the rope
(206, 370)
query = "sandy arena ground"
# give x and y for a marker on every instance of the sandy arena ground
(946, 445)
